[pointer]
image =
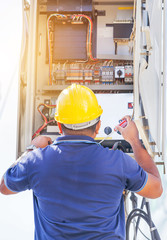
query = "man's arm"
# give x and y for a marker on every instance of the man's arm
(4, 190)
(153, 187)
(40, 141)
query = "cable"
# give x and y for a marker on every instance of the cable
(136, 210)
(89, 42)
(49, 44)
(141, 231)
(46, 122)
(141, 214)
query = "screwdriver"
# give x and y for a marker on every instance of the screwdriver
(123, 124)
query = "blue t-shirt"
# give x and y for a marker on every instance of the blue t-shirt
(77, 188)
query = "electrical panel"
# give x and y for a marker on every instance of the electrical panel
(69, 41)
(74, 33)
(101, 73)
(72, 37)
(75, 42)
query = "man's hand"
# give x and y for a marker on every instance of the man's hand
(130, 132)
(41, 141)
(153, 187)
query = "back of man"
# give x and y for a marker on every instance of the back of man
(77, 184)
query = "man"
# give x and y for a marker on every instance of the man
(77, 184)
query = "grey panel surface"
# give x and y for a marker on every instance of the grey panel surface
(70, 42)
(69, 6)
(93, 87)
(121, 30)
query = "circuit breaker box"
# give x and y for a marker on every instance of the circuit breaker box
(93, 43)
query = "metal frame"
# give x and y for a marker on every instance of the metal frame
(160, 113)
(93, 87)
(31, 75)
(164, 106)
(137, 109)
(137, 51)
(137, 57)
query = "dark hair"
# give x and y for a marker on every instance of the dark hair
(68, 131)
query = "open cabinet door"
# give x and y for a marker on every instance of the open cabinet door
(27, 74)
(164, 108)
(149, 73)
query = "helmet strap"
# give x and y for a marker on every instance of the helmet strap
(60, 129)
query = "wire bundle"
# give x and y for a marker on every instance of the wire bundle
(141, 214)
(89, 38)
(50, 44)
(46, 122)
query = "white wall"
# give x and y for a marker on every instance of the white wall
(16, 212)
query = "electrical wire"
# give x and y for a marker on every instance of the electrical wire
(141, 230)
(141, 214)
(88, 44)
(46, 122)
(89, 41)
(50, 44)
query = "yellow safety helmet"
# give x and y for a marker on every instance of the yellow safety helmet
(77, 107)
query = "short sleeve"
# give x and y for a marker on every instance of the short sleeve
(16, 178)
(135, 177)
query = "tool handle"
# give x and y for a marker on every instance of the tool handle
(123, 124)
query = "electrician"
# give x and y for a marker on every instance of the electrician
(77, 184)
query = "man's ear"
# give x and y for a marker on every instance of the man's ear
(98, 127)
